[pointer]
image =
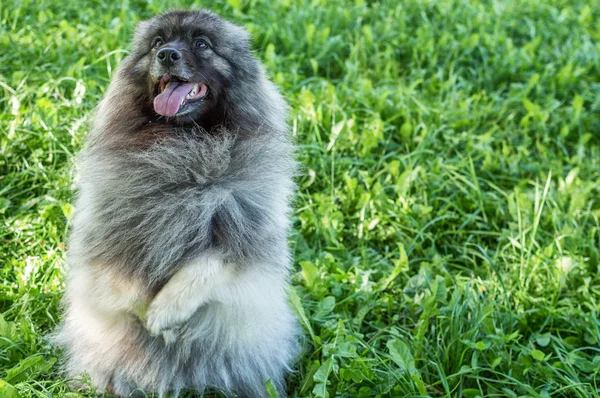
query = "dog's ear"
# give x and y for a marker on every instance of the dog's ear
(235, 35)
(240, 35)
(140, 35)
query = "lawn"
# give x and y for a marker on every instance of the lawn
(447, 223)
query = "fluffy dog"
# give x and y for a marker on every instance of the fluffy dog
(178, 252)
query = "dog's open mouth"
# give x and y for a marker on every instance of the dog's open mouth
(174, 94)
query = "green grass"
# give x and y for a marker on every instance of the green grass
(447, 225)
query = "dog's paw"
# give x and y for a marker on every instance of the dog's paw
(159, 325)
(189, 289)
(168, 311)
(164, 316)
(140, 310)
(170, 336)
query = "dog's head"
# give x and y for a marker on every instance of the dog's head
(191, 61)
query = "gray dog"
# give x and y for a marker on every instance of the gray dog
(178, 253)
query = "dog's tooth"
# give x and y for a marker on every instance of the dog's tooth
(192, 93)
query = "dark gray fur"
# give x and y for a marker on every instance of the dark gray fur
(184, 195)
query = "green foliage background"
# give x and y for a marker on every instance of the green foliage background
(447, 225)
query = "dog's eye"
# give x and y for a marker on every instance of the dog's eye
(201, 43)
(158, 42)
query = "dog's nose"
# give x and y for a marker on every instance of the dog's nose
(168, 56)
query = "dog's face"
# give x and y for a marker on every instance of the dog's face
(190, 59)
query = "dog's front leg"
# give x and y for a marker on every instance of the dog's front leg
(190, 288)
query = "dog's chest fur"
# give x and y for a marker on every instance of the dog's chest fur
(154, 209)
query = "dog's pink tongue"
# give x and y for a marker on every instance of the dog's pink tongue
(168, 102)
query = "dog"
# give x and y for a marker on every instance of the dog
(178, 253)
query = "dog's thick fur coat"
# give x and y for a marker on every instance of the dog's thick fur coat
(178, 252)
